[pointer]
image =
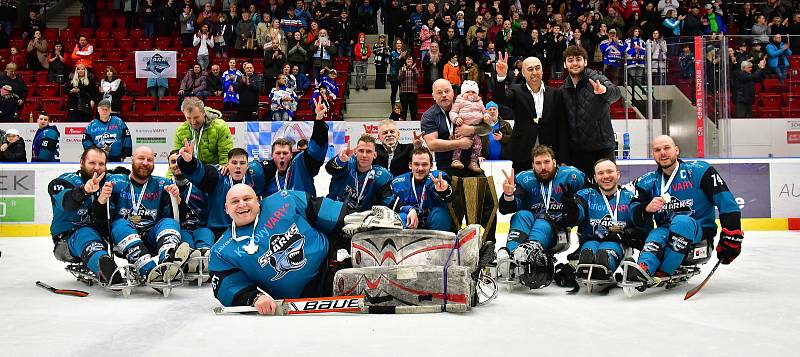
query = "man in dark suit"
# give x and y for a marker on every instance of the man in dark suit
(538, 117)
(393, 155)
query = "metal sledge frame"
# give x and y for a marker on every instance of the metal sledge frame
(591, 284)
(200, 276)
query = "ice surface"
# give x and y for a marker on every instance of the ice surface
(748, 309)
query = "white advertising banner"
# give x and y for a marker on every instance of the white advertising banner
(784, 187)
(156, 64)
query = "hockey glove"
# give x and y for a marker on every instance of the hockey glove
(730, 245)
(632, 238)
(569, 210)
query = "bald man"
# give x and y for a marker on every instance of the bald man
(681, 196)
(538, 118)
(141, 218)
(275, 248)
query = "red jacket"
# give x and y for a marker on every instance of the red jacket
(83, 55)
(357, 50)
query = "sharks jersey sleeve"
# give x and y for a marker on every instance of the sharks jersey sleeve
(359, 190)
(531, 195)
(304, 166)
(71, 205)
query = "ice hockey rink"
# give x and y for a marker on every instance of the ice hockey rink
(749, 308)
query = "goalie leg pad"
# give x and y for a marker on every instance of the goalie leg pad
(415, 247)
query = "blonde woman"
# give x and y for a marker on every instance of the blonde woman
(82, 94)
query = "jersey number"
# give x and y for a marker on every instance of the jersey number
(717, 180)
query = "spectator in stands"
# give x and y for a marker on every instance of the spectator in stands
(82, 95)
(224, 37)
(775, 7)
(112, 88)
(89, 13)
(382, 53)
(432, 66)
(451, 44)
(37, 52)
(686, 61)
(290, 22)
(245, 33)
(397, 112)
(322, 51)
(229, 78)
(311, 35)
(779, 26)
(396, 60)
(555, 43)
(426, 36)
(276, 34)
(395, 20)
(283, 102)
(578, 39)
(778, 54)
(323, 95)
(194, 84)
(452, 72)
(215, 81)
(203, 40)
(45, 146)
(473, 30)
(17, 58)
(8, 104)
(207, 16)
(761, 29)
(157, 87)
(635, 50)
(166, 16)
(495, 146)
(478, 45)
(187, 19)
(692, 25)
(109, 133)
(130, 7)
(613, 50)
(248, 86)
(471, 72)
(18, 86)
(745, 18)
(83, 53)
(298, 52)
(327, 78)
(589, 94)
(343, 32)
(794, 29)
(274, 59)
(4, 37)
(232, 14)
(755, 53)
(745, 87)
(408, 77)
(488, 62)
(148, 18)
(365, 17)
(262, 27)
(658, 56)
(503, 41)
(291, 82)
(32, 24)
(8, 15)
(13, 150)
(302, 83)
(204, 126)
(361, 54)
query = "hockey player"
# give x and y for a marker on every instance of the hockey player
(109, 133)
(216, 183)
(681, 196)
(275, 249)
(356, 181)
(141, 217)
(193, 211)
(74, 236)
(297, 172)
(534, 198)
(422, 195)
(603, 218)
(45, 142)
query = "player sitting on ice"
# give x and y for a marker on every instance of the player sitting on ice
(72, 228)
(539, 217)
(422, 195)
(357, 181)
(193, 211)
(275, 249)
(681, 196)
(604, 221)
(216, 182)
(141, 218)
(297, 172)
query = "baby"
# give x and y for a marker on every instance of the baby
(468, 109)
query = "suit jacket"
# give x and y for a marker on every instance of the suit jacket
(402, 156)
(551, 129)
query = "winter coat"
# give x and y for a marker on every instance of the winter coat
(744, 89)
(470, 112)
(213, 143)
(777, 56)
(15, 152)
(589, 114)
(358, 48)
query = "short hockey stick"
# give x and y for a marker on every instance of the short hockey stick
(340, 304)
(696, 289)
(77, 293)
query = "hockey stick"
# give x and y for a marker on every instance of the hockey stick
(340, 304)
(77, 293)
(696, 289)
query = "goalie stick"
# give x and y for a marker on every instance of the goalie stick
(696, 289)
(69, 292)
(339, 304)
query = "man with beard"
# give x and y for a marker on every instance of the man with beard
(193, 213)
(74, 236)
(275, 249)
(604, 221)
(422, 195)
(108, 132)
(141, 218)
(681, 196)
(587, 96)
(534, 197)
(393, 155)
(357, 181)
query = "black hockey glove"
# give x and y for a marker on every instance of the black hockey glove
(730, 245)
(632, 238)
(569, 208)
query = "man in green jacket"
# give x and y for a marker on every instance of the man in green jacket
(206, 128)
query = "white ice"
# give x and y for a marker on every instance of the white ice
(749, 308)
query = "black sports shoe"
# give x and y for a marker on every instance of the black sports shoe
(601, 258)
(586, 257)
(107, 267)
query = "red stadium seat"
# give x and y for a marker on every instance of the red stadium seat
(127, 105)
(214, 102)
(137, 34)
(74, 22)
(163, 43)
(145, 104)
(119, 33)
(168, 103)
(790, 112)
(53, 105)
(772, 85)
(47, 90)
(136, 87)
(51, 34)
(791, 100)
(794, 61)
(107, 43)
(40, 76)
(106, 22)
(102, 33)
(763, 112)
(125, 44)
(27, 76)
(770, 100)
(85, 32)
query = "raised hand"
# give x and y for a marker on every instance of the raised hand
(508, 184)
(187, 151)
(439, 184)
(93, 184)
(105, 193)
(173, 190)
(763, 63)
(344, 155)
(320, 108)
(502, 64)
(417, 139)
(599, 88)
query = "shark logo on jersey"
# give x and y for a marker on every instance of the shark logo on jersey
(106, 139)
(678, 207)
(604, 225)
(285, 252)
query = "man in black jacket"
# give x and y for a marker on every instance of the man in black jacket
(393, 155)
(538, 114)
(744, 87)
(248, 86)
(587, 96)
